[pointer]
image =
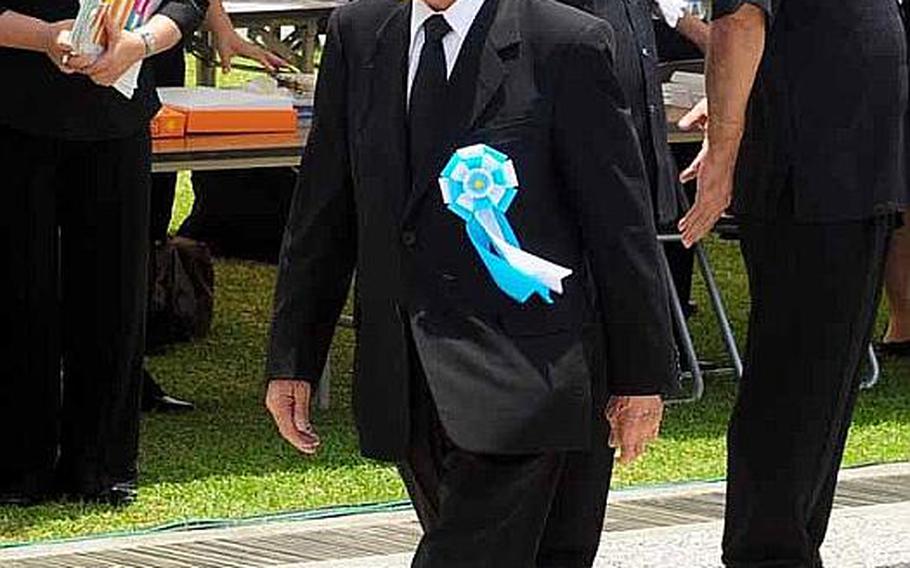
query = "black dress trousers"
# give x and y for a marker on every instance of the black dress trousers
(541, 510)
(815, 288)
(73, 247)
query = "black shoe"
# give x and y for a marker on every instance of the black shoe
(22, 499)
(154, 397)
(117, 495)
(893, 348)
(167, 403)
(32, 491)
(690, 309)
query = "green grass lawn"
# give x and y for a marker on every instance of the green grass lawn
(226, 460)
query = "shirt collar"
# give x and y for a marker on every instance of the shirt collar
(460, 15)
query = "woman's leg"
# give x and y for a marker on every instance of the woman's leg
(30, 383)
(105, 250)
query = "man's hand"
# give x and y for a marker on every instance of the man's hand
(288, 401)
(123, 50)
(697, 118)
(737, 42)
(228, 45)
(634, 423)
(714, 169)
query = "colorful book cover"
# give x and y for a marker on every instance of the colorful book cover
(88, 38)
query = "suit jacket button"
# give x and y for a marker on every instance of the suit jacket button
(409, 238)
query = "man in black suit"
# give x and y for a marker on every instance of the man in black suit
(818, 151)
(493, 407)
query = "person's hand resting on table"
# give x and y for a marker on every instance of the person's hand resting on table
(288, 401)
(634, 423)
(229, 44)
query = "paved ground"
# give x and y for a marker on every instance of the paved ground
(675, 526)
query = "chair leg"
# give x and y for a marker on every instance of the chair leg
(717, 303)
(679, 319)
(875, 370)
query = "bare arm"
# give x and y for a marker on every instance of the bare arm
(229, 44)
(19, 31)
(165, 30)
(25, 32)
(217, 19)
(734, 53)
(695, 30)
(735, 50)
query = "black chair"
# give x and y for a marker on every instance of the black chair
(695, 372)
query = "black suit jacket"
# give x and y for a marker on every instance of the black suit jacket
(506, 378)
(827, 122)
(636, 60)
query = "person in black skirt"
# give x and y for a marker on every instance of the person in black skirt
(75, 156)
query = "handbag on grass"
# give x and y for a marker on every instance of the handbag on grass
(181, 292)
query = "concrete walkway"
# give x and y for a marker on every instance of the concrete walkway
(676, 526)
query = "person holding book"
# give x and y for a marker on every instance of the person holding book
(75, 154)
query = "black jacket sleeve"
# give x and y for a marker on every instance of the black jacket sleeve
(316, 263)
(187, 14)
(599, 154)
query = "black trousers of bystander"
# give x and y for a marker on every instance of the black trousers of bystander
(73, 250)
(815, 288)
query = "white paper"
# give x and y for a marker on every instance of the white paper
(549, 273)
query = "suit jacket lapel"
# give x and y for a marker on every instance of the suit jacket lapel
(386, 107)
(503, 34)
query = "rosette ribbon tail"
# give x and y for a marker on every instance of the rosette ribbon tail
(478, 184)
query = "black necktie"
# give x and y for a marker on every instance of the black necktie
(426, 123)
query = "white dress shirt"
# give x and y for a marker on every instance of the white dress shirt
(459, 16)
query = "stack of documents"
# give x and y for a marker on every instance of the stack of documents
(684, 89)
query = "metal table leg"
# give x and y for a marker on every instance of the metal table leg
(875, 370)
(720, 311)
(679, 319)
(205, 66)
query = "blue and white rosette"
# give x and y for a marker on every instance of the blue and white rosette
(479, 184)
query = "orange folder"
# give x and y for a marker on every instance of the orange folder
(168, 123)
(225, 111)
(239, 120)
